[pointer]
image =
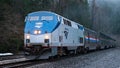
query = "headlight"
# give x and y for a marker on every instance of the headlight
(37, 32)
(46, 36)
(28, 36)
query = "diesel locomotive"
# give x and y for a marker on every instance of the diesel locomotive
(49, 34)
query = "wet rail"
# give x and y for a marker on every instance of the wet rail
(10, 57)
(22, 64)
(27, 63)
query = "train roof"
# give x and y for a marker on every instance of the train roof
(74, 24)
(54, 14)
(90, 30)
(42, 11)
(106, 36)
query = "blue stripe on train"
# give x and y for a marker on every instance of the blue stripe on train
(91, 40)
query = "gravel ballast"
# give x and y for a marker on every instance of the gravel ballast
(109, 58)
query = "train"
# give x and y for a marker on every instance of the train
(48, 34)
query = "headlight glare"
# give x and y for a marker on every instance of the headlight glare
(28, 36)
(46, 36)
(37, 32)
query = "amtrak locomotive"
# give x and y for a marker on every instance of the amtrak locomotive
(49, 34)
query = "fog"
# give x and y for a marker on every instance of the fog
(106, 17)
(106, 13)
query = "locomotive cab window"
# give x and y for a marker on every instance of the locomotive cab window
(81, 39)
(80, 27)
(66, 22)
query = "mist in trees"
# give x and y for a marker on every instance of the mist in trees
(106, 16)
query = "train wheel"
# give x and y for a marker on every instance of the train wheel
(79, 50)
(51, 57)
(27, 52)
(83, 50)
(73, 52)
(114, 46)
(56, 56)
(65, 50)
(98, 48)
(86, 50)
(105, 47)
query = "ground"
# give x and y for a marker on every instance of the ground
(109, 58)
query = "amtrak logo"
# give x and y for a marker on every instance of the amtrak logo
(66, 33)
(38, 24)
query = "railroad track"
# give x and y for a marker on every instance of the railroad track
(22, 64)
(27, 63)
(10, 57)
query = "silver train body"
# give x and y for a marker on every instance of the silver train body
(49, 34)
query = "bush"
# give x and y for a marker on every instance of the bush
(13, 45)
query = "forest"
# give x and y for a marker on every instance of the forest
(101, 17)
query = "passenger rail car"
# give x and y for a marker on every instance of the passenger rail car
(106, 41)
(49, 34)
(96, 41)
(91, 39)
